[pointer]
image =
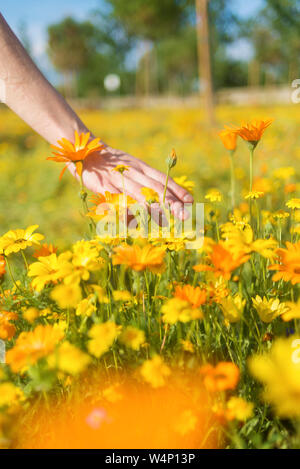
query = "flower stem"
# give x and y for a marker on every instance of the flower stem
(232, 180)
(166, 185)
(251, 180)
(251, 167)
(25, 260)
(11, 274)
(83, 196)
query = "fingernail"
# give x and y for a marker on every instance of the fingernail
(180, 212)
(188, 198)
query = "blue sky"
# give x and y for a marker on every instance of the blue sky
(37, 14)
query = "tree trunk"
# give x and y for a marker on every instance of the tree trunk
(254, 73)
(147, 68)
(204, 58)
(293, 69)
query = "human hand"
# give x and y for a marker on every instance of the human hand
(98, 177)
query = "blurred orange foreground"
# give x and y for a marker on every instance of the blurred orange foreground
(123, 414)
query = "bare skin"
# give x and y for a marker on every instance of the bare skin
(35, 100)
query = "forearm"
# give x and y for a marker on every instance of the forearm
(30, 95)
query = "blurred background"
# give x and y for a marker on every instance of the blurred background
(147, 75)
(140, 48)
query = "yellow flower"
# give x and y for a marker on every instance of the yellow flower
(284, 173)
(240, 239)
(265, 247)
(186, 422)
(112, 394)
(254, 195)
(293, 204)
(268, 310)
(48, 269)
(100, 293)
(66, 296)
(185, 183)
(293, 311)
(122, 295)
(86, 307)
(233, 307)
(33, 345)
(10, 394)
(132, 337)
(150, 195)
(176, 309)
(214, 195)
(171, 243)
(279, 371)
(187, 346)
(85, 259)
(121, 168)
(239, 409)
(109, 205)
(18, 240)
(69, 359)
(102, 337)
(155, 371)
(30, 314)
(280, 215)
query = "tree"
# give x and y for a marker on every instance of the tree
(276, 42)
(108, 51)
(149, 21)
(283, 17)
(69, 49)
(177, 62)
(204, 57)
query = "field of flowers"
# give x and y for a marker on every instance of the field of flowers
(100, 332)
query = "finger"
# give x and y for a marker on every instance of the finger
(107, 186)
(181, 193)
(145, 181)
(133, 189)
(140, 181)
(176, 206)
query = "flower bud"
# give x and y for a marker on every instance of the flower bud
(172, 159)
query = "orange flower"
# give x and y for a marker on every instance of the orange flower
(195, 296)
(103, 204)
(228, 138)
(290, 188)
(223, 262)
(224, 376)
(289, 267)
(33, 345)
(137, 258)
(7, 329)
(77, 152)
(45, 250)
(253, 131)
(2, 266)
